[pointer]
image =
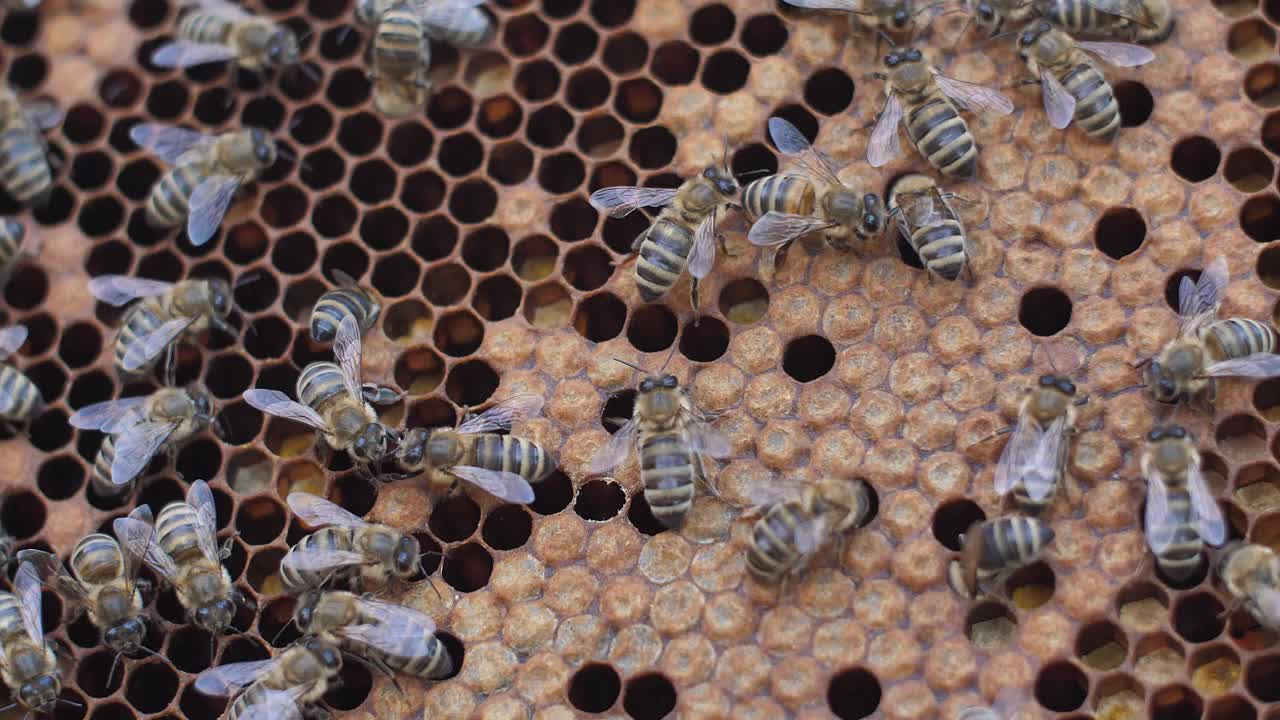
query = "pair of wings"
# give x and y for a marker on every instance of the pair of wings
(210, 199)
(11, 338)
(347, 350)
(137, 438)
(499, 483)
(1060, 104)
(702, 437)
(1198, 307)
(921, 209)
(776, 228)
(26, 588)
(621, 201)
(884, 145)
(116, 290)
(137, 533)
(49, 569)
(185, 53)
(1031, 457)
(1206, 516)
(447, 19)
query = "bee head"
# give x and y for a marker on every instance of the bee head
(216, 616)
(126, 637)
(872, 214)
(306, 611)
(900, 19)
(413, 447)
(264, 148)
(40, 694)
(282, 47)
(1163, 380)
(370, 445)
(219, 296)
(406, 556)
(724, 181)
(658, 398)
(986, 14)
(328, 655)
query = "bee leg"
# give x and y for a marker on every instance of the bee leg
(693, 300)
(224, 552)
(170, 366)
(1002, 431)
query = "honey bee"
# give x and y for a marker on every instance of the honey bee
(791, 532)
(137, 428)
(181, 546)
(781, 206)
(24, 156)
(931, 103)
(345, 549)
(1207, 348)
(16, 241)
(401, 56)
(333, 401)
(207, 172)
(288, 685)
(217, 31)
(167, 311)
(28, 664)
(994, 549)
(992, 16)
(1034, 461)
(683, 236)
(1144, 21)
(1181, 515)
(893, 18)
(20, 399)
(930, 223)
(671, 436)
(347, 299)
(389, 636)
(460, 23)
(1251, 574)
(1072, 83)
(501, 465)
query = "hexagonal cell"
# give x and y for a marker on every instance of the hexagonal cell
(990, 625)
(300, 476)
(706, 339)
(652, 328)
(408, 321)
(548, 306)
(553, 494)
(1259, 678)
(1158, 659)
(1262, 84)
(1258, 218)
(467, 567)
(808, 358)
(419, 371)
(1044, 311)
(599, 500)
(1176, 703)
(853, 693)
(1248, 169)
(1231, 707)
(507, 527)
(1241, 436)
(1061, 686)
(1269, 273)
(1258, 487)
(454, 519)
(1195, 158)
(1119, 696)
(594, 688)
(1102, 646)
(1135, 101)
(458, 334)
(1214, 670)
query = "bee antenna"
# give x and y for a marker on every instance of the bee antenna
(312, 74)
(278, 632)
(993, 38)
(670, 355)
(888, 39)
(758, 171)
(344, 32)
(111, 675)
(637, 368)
(8, 707)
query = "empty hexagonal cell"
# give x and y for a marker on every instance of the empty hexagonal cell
(455, 518)
(652, 328)
(1262, 84)
(471, 383)
(1214, 669)
(1241, 436)
(1230, 707)
(594, 688)
(575, 43)
(60, 477)
(639, 99)
(1248, 169)
(395, 275)
(458, 334)
(1044, 311)
(1158, 659)
(829, 91)
(1061, 686)
(990, 625)
(419, 371)
(467, 567)
(507, 527)
(525, 34)
(473, 201)
(450, 108)
(625, 52)
(1259, 217)
(600, 317)
(808, 358)
(952, 519)
(407, 321)
(1269, 273)
(1176, 703)
(704, 340)
(1195, 158)
(599, 500)
(260, 520)
(1135, 101)
(548, 306)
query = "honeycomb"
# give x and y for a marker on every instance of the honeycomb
(471, 220)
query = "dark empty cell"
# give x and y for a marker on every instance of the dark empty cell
(1271, 133)
(599, 500)
(161, 265)
(80, 345)
(553, 494)
(473, 201)
(652, 147)
(19, 26)
(459, 334)
(263, 112)
(753, 161)
(712, 24)
(1199, 618)
(100, 216)
(201, 458)
(409, 144)
(446, 284)
(348, 257)
(675, 63)
(953, 519)
(311, 124)
(587, 88)
(560, 8)
(1120, 232)
(360, 133)
(625, 52)
(50, 380)
(764, 35)
(348, 87)
(507, 527)
(90, 388)
(1260, 218)
(575, 43)
(600, 317)
(26, 288)
(725, 72)
(352, 687)
(537, 80)
(354, 494)
(471, 383)
(228, 376)
(467, 568)
(449, 108)
(612, 13)
(283, 206)
(137, 178)
(422, 191)
(574, 219)
(460, 154)
(334, 216)
(1248, 170)
(525, 34)
(640, 515)
(268, 338)
(496, 298)
(61, 477)
(510, 163)
(454, 519)
(1269, 267)
(1061, 687)
(246, 243)
(90, 170)
(302, 81)
(214, 106)
(260, 520)
(853, 693)
(22, 513)
(1176, 703)
(649, 697)
(704, 341)
(28, 72)
(549, 126)
(322, 169)
(152, 686)
(340, 42)
(57, 207)
(594, 688)
(294, 253)
(561, 173)
(93, 673)
(167, 100)
(1135, 103)
(1260, 678)
(240, 421)
(808, 358)
(609, 174)
(638, 100)
(195, 705)
(83, 124)
(41, 332)
(829, 91)
(534, 257)
(1044, 311)
(499, 116)
(652, 328)
(434, 238)
(1231, 707)
(588, 267)
(384, 228)
(120, 88)
(1195, 158)
(486, 249)
(621, 233)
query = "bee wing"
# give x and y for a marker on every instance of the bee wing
(307, 559)
(707, 440)
(613, 452)
(137, 533)
(1043, 470)
(841, 5)
(168, 142)
(777, 228)
(791, 141)
(1209, 521)
(703, 254)
(450, 16)
(225, 680)
(620, 201)
(275, 705)
(11, 338)
(1014, 459)
(274, 402)
(149, 346)
(1128, 9)
(136, 446)
(49, 569)
(342, 278)
(318, 512)
(222, 8)
(1268, 602)
(209, 203)
(43, 114)
(1160, 530)
(922, 210)
(498, 483)
(397, 616)
(978, 98)
(1198, 302)
(26, 585)
(200, 498)
(502, 416)
(1257, 366)
(117, 290)
(884, 145)
(347, 350)
(1119, 54)
(182, 54)
(111, 416)
(1059, 105)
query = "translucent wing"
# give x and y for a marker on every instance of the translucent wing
(777, 228)
(614, 451)
(811, 536)
(1119, 54)
(49, 569)
(26, 585)
(702, 257)
(11, 338)
(791, 141)
(1160, 526)
(620, 201)
(224, 9)
(399, 630)
(978, 98)
(708, 440)
(43, 114)
(395, 615)
(119, 289)
(1198, 303)
(1256, 366)
(137, 534)
(1042, 475)
(275, 705)
(149, 346)
(1268, 602)
(274, 402)
(318, 512)
(452, 18)
(922, 210)
(1128, 9)
(136, 446)
(843, 5)
(227, 679)
(209, 203)
(884, 145)
(111, 416)
(347, 350)
(498, 483)
(1016, 455)
(308, 559)
(168, 142)
(1059, 105)
(200, 498)
(182, 54)
(1209, 521)
(502, 416)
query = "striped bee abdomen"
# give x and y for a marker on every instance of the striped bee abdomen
(24, 167)
(512, 454)
(1238, 337)
(169, 201)
(942, 136)
(668, 473)
(323, 540)
(319, 383)
(200, 27)
(1012, 542)
(941, 248)
(10, 618)
(19, 397)
(663, 256)
(11, 236)
(773, 548)
(398, 43)
(336, 304)
(420, 654)
(139, 320)
(100, 478)
(1182, 558)
(1097, 112)
(96, 559)
(782, 193)
(177, 532)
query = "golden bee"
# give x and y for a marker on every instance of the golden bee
(1181, 514)
(930, 103)
(892, 18)
(20, 399)
(994, 549)
(930, 223)
(782, 207)
(137, 428)
(207, 172)
(1034, 462)
(501, 465)
(684, 234)
(1073, 85)
(28, 663)
(391, 637)
(167, 312)
(672, 437)
(790, 532)
(1207, 348)
(218, 31)
(24, 156)
(347, 299)
(1251, 574)
(289, 685)
(345, 549)
(1144, 21)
